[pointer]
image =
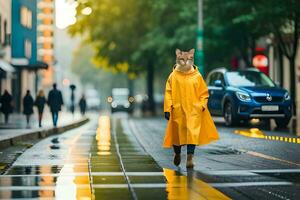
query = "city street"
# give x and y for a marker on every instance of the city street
(155, 99)
(121, 157)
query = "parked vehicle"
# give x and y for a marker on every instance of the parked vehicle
(120, 100)
(246, 94)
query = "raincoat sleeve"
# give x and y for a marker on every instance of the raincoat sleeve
(168, 96)
(203, 93)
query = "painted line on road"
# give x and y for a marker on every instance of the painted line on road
(247, 172)
(86, 174)
(206, 186)
(28, 188)
(261, 155)
(247, 184)
(257, 133)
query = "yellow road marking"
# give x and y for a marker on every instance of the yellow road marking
(256, 133)
(189, 187)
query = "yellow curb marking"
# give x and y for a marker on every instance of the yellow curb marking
(256, 133)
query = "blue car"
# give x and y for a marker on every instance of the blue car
(247, 94)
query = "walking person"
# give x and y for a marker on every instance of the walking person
(40, 102)
(55, 101)
(28, 104)
(82, 105)
(185, 108)
(6, 101)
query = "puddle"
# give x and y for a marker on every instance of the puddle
(54, 147)
(53, 168)
(55, 140)
(222, 151)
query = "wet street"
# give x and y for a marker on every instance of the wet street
(121, 157)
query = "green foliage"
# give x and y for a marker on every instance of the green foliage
(136, 32)
(127, 35)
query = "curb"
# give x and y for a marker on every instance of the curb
(40, 134)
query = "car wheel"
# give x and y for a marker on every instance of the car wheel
(229, 116)
(282, 123)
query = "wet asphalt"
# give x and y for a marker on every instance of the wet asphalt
(121, 157)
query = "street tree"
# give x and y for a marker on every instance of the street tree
(136, 37)
(238, 24)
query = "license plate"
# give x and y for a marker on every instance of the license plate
(269, 108)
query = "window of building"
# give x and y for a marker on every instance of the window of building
(26, 17)
(28, 48)
(6, 35)
(0, 29)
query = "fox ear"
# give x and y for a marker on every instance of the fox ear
(178, 52)
(192, 51)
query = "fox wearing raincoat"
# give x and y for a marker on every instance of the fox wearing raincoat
(186, 97)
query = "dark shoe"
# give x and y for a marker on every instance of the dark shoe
(177, 159)
(189, 161)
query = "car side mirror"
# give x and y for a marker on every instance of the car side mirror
(218, 83)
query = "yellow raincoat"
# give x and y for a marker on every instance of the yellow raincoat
(186, 96)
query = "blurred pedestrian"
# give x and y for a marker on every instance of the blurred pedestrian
(40, 102)
(82, 105)
(6, 101)
(28, 104)
(185, 107)
(55, 101)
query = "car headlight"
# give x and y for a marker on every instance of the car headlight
(287, 96)
(127, 105)
(114, 104)
(243, 96)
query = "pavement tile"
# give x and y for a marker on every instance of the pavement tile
(109, 180)
(112, 193)
(152, 193)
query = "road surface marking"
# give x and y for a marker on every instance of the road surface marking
(253, 153)
(247, 184)
(247, 172)
(256, 133)
(190, 187)
(208, 172)
(64, 187)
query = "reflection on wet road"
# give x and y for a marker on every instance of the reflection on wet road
(109, 159)
(189, 187)
(55, 167)
(101, 160)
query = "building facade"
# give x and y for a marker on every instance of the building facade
(6, 70)
(280, 73)
(45, 32)
(24, 49)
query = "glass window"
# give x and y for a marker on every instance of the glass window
(249, 78)
(212, 79)
(6, 42)
(28, 47)
(221, 78)
(0, 29)
(26, 17)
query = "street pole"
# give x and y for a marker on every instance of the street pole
(199, 55)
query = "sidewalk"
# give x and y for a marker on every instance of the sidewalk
(17, 126)
(18, 120)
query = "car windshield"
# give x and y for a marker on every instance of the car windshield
(249, 78)
(120, 97)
